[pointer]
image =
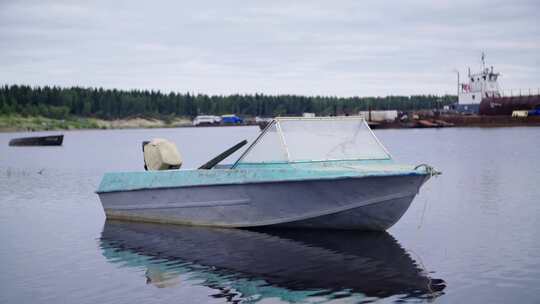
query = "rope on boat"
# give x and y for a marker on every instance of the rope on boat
(423, 213)
(429, 170)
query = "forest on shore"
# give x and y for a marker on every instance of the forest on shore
(61, 103)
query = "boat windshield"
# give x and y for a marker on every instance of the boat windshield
(315, 139)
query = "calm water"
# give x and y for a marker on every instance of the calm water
(472, 234)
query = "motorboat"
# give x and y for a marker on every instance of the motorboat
(50, 140)
(315, 172)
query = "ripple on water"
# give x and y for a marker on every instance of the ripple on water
(477, 232)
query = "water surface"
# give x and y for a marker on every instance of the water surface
(471, 235)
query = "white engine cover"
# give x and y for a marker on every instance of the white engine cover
(161, 154)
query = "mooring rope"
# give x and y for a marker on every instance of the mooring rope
(431, 172)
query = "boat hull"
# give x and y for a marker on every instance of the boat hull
(363, 203)
(53, 140)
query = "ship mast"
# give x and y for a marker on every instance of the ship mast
(483, 83)
(458, 84)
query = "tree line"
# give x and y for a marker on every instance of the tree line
(60, 103)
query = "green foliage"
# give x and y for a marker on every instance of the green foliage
(61, 103)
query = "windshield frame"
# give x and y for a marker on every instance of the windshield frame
(276, 121)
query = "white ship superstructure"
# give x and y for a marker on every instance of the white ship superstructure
(479, 86)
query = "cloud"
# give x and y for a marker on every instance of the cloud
(309, 47)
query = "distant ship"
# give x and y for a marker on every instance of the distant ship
(483, 95)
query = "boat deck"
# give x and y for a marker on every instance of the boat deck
(255, 173)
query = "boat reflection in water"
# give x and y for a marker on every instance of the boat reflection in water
(287, 264)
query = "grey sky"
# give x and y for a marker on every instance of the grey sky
(343, 48)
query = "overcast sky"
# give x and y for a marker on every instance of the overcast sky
(344, 48)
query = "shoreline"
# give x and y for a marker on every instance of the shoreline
(38, 123)
(16, 123)
(461, 121)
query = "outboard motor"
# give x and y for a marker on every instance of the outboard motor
(161, 154)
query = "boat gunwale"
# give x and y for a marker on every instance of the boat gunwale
(330, 178)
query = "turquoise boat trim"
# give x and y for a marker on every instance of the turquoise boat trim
(310, 164)
(129, 181)
(306, 164)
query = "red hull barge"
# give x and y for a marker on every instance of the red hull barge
(506, 105)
